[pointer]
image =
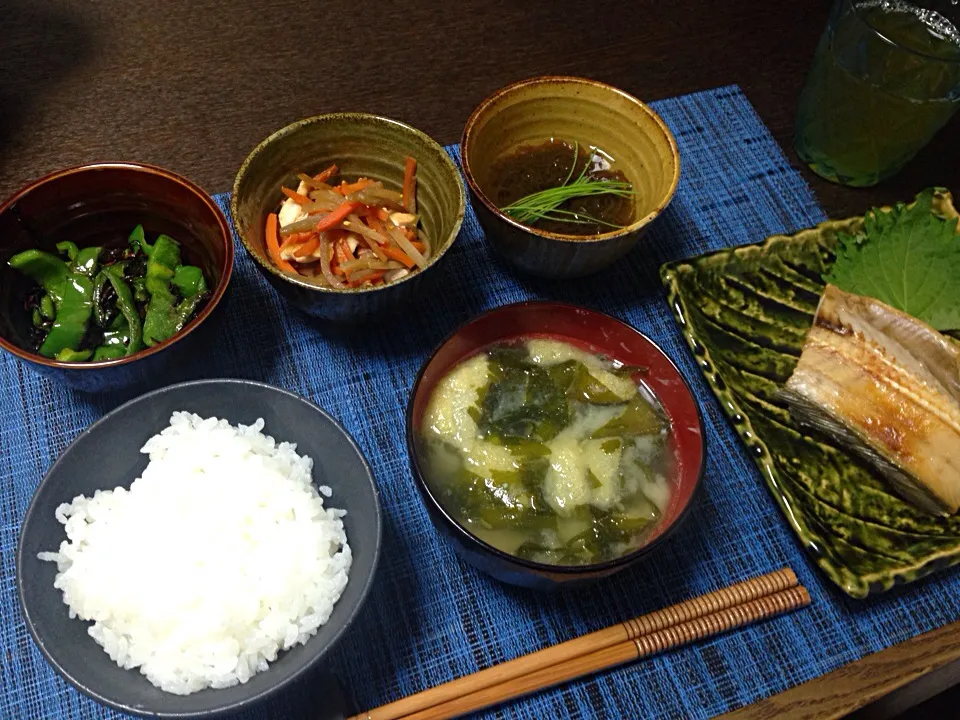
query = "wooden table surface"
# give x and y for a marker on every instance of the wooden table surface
(194, 85)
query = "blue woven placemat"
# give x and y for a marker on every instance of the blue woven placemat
(430, 618)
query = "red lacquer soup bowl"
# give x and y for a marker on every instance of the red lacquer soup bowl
(596, 333)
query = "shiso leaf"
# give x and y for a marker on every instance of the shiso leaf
(908, 258)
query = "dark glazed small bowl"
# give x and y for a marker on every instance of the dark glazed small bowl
(100, 203)
(359, 144)
(107, 454)
(595, 332)
(575, 110)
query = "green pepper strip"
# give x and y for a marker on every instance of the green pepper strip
(108, 352)
(45, 269)
(139, 240)
(161, 320)
(127, 306)
(87, 261)
(72, 316)
(116, 332)
(47, 308)
(99, 311)
(115, 340)
(70, 355)
(139, 289)
(189, 280)
(69, 249)
(184, 312)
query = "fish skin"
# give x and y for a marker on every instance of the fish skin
(887, 387)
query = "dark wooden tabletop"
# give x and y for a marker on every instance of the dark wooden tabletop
(194, 85)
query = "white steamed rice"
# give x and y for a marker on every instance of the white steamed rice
(220, 556)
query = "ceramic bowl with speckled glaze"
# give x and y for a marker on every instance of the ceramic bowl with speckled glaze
(360, 145)
(574, 110)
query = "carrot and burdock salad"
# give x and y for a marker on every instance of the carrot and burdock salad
(344, 234)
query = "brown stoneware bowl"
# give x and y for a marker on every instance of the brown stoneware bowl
(99, 204)
(574, 110)
(594, 332)
(360, 145)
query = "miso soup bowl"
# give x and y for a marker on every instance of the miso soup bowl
(594, 332)
(577, 110)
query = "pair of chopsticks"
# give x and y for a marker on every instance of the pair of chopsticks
(711, 614)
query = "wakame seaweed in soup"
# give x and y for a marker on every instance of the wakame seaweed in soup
(548, 452)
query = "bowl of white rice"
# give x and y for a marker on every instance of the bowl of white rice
(199, 549)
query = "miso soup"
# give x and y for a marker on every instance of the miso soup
(548, 452)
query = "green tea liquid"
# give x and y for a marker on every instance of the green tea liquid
(885, 79)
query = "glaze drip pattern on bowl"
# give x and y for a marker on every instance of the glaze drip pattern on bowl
(574, 110)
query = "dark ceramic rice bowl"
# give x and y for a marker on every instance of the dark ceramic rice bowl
(106, 455)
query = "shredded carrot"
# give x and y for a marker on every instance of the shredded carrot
(410, 185)
(399, 255)
(342, 253)
(335, 227)
(272, 241)
(375, 224)
(372, 278)
(294, 239)
(295, 196)
(330, 221)
(348, 188)
(301, 236)
(288, 245)
(343, 249)
(308, 248)
(326, 174)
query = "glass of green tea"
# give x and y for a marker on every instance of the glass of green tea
(884, 80)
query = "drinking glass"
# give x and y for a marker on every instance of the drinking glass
(884, 80)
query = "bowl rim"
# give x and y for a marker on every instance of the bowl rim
(538, 567)
(639, 223)
(308, 666)
(360, 117)
(226, 271)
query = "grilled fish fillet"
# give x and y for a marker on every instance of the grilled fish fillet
(887, 386)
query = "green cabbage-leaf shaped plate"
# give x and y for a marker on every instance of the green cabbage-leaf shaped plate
(745, 313)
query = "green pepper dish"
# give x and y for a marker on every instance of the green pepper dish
(103, 303)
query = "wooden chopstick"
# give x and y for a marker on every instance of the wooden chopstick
(704, 605)
(714, 624)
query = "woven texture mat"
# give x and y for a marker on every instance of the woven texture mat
(429, 618)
